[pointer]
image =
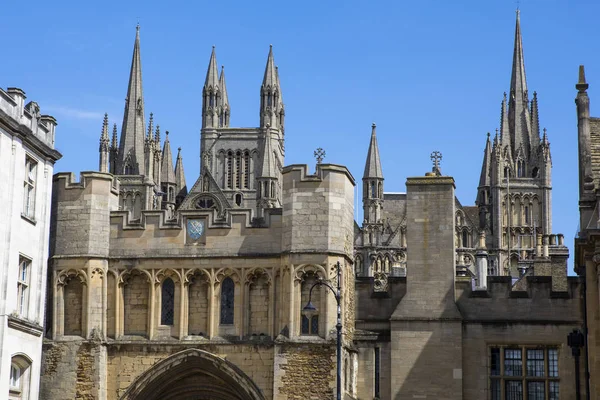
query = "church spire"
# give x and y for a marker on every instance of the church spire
(224, 101)
(181, 187)
(211, 94)
(131, 150)
(373, 164)
(271, 105)
(518, 111)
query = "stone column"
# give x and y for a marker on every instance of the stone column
(183, 324)
(211, 307)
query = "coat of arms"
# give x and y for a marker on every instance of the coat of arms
(195, 228)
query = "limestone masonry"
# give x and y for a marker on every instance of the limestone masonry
(157, 290)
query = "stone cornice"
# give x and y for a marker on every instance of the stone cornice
(25, 326)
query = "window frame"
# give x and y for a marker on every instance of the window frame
(29, 187)
(550, 370)
(23, 285)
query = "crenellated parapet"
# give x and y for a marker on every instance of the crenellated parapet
(318, 209)
(81, 213)
(537, 303)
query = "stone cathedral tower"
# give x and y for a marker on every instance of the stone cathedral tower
(515, 187)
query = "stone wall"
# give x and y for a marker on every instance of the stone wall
(304, 371)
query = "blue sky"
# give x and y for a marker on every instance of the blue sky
(430, 73)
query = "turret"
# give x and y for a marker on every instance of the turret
(181, 187)
(114, 151)
(149, 152)
(224, 111)
(130, 159)
(586, 180)
(167, 178)
(271, 104)
(211, 94)
(373, 193)
(268, 178)
(104, 146)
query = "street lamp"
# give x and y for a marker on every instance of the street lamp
(575, 341)
(309, 310)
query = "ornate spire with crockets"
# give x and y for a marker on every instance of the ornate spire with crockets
(167, 173)
(211, 94)
(104, 146)
(131, 151)
(373, 164)
(373, 186)
(181, 187)
(518, 105)
(224, 110)
(271, 104)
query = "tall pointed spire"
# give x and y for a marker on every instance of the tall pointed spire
(535, 120)
(131, 150)
(211, 94)
(167, 173)
(484, 178)
(373, 164)
(518, 111)
(224, 109)
(271, 105)
(180, 177)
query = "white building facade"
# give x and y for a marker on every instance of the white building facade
(27, 158)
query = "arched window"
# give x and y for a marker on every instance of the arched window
(227, 297)
(230, 169)
(18, 384)
(527, 216)
(273, 190)
(520, 168)
(168, 302)
(238, 199)
(372, 189)
(534, 173)
(465, 239)
(238, 169)
(310, 326)
(171, 194)
(246, 170)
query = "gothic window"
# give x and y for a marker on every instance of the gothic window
(269, 100)
(273, 190)
(221, 122)
(246, 170)
(29, 187)
(227, 301)
(229, 169)
(168, 302)
(373, 190)
(534, 173)
(465, 239)
(238, 199)
(238, 169)
(520, 168)
(380, 190)
(211, 99)
(527, 216)
(171, 194)
(205, 203)
(310, 326)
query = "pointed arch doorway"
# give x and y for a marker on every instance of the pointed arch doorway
(193, 375)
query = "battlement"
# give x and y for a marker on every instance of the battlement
(537, 304)
(27, 117)
(80, 213)
(318, 209)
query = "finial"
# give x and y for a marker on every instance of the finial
(137, 27)
(582, 85)
(488, 136)
(222, 68)
(436, 157)
(179, 149)
(270, 46)
(373, 128)
(213, 46)
(167, 133)
(504, 95)
(535, 95)
(319, 155)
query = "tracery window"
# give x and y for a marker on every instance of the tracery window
(205, 203)
(227, 301)
(465, 239)
(246, 170)
(238, 169)
(168, 302)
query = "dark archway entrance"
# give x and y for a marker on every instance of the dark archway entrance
(193, 375)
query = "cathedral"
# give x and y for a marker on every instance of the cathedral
(222, 290)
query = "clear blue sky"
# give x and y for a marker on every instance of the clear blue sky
(430, 73)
